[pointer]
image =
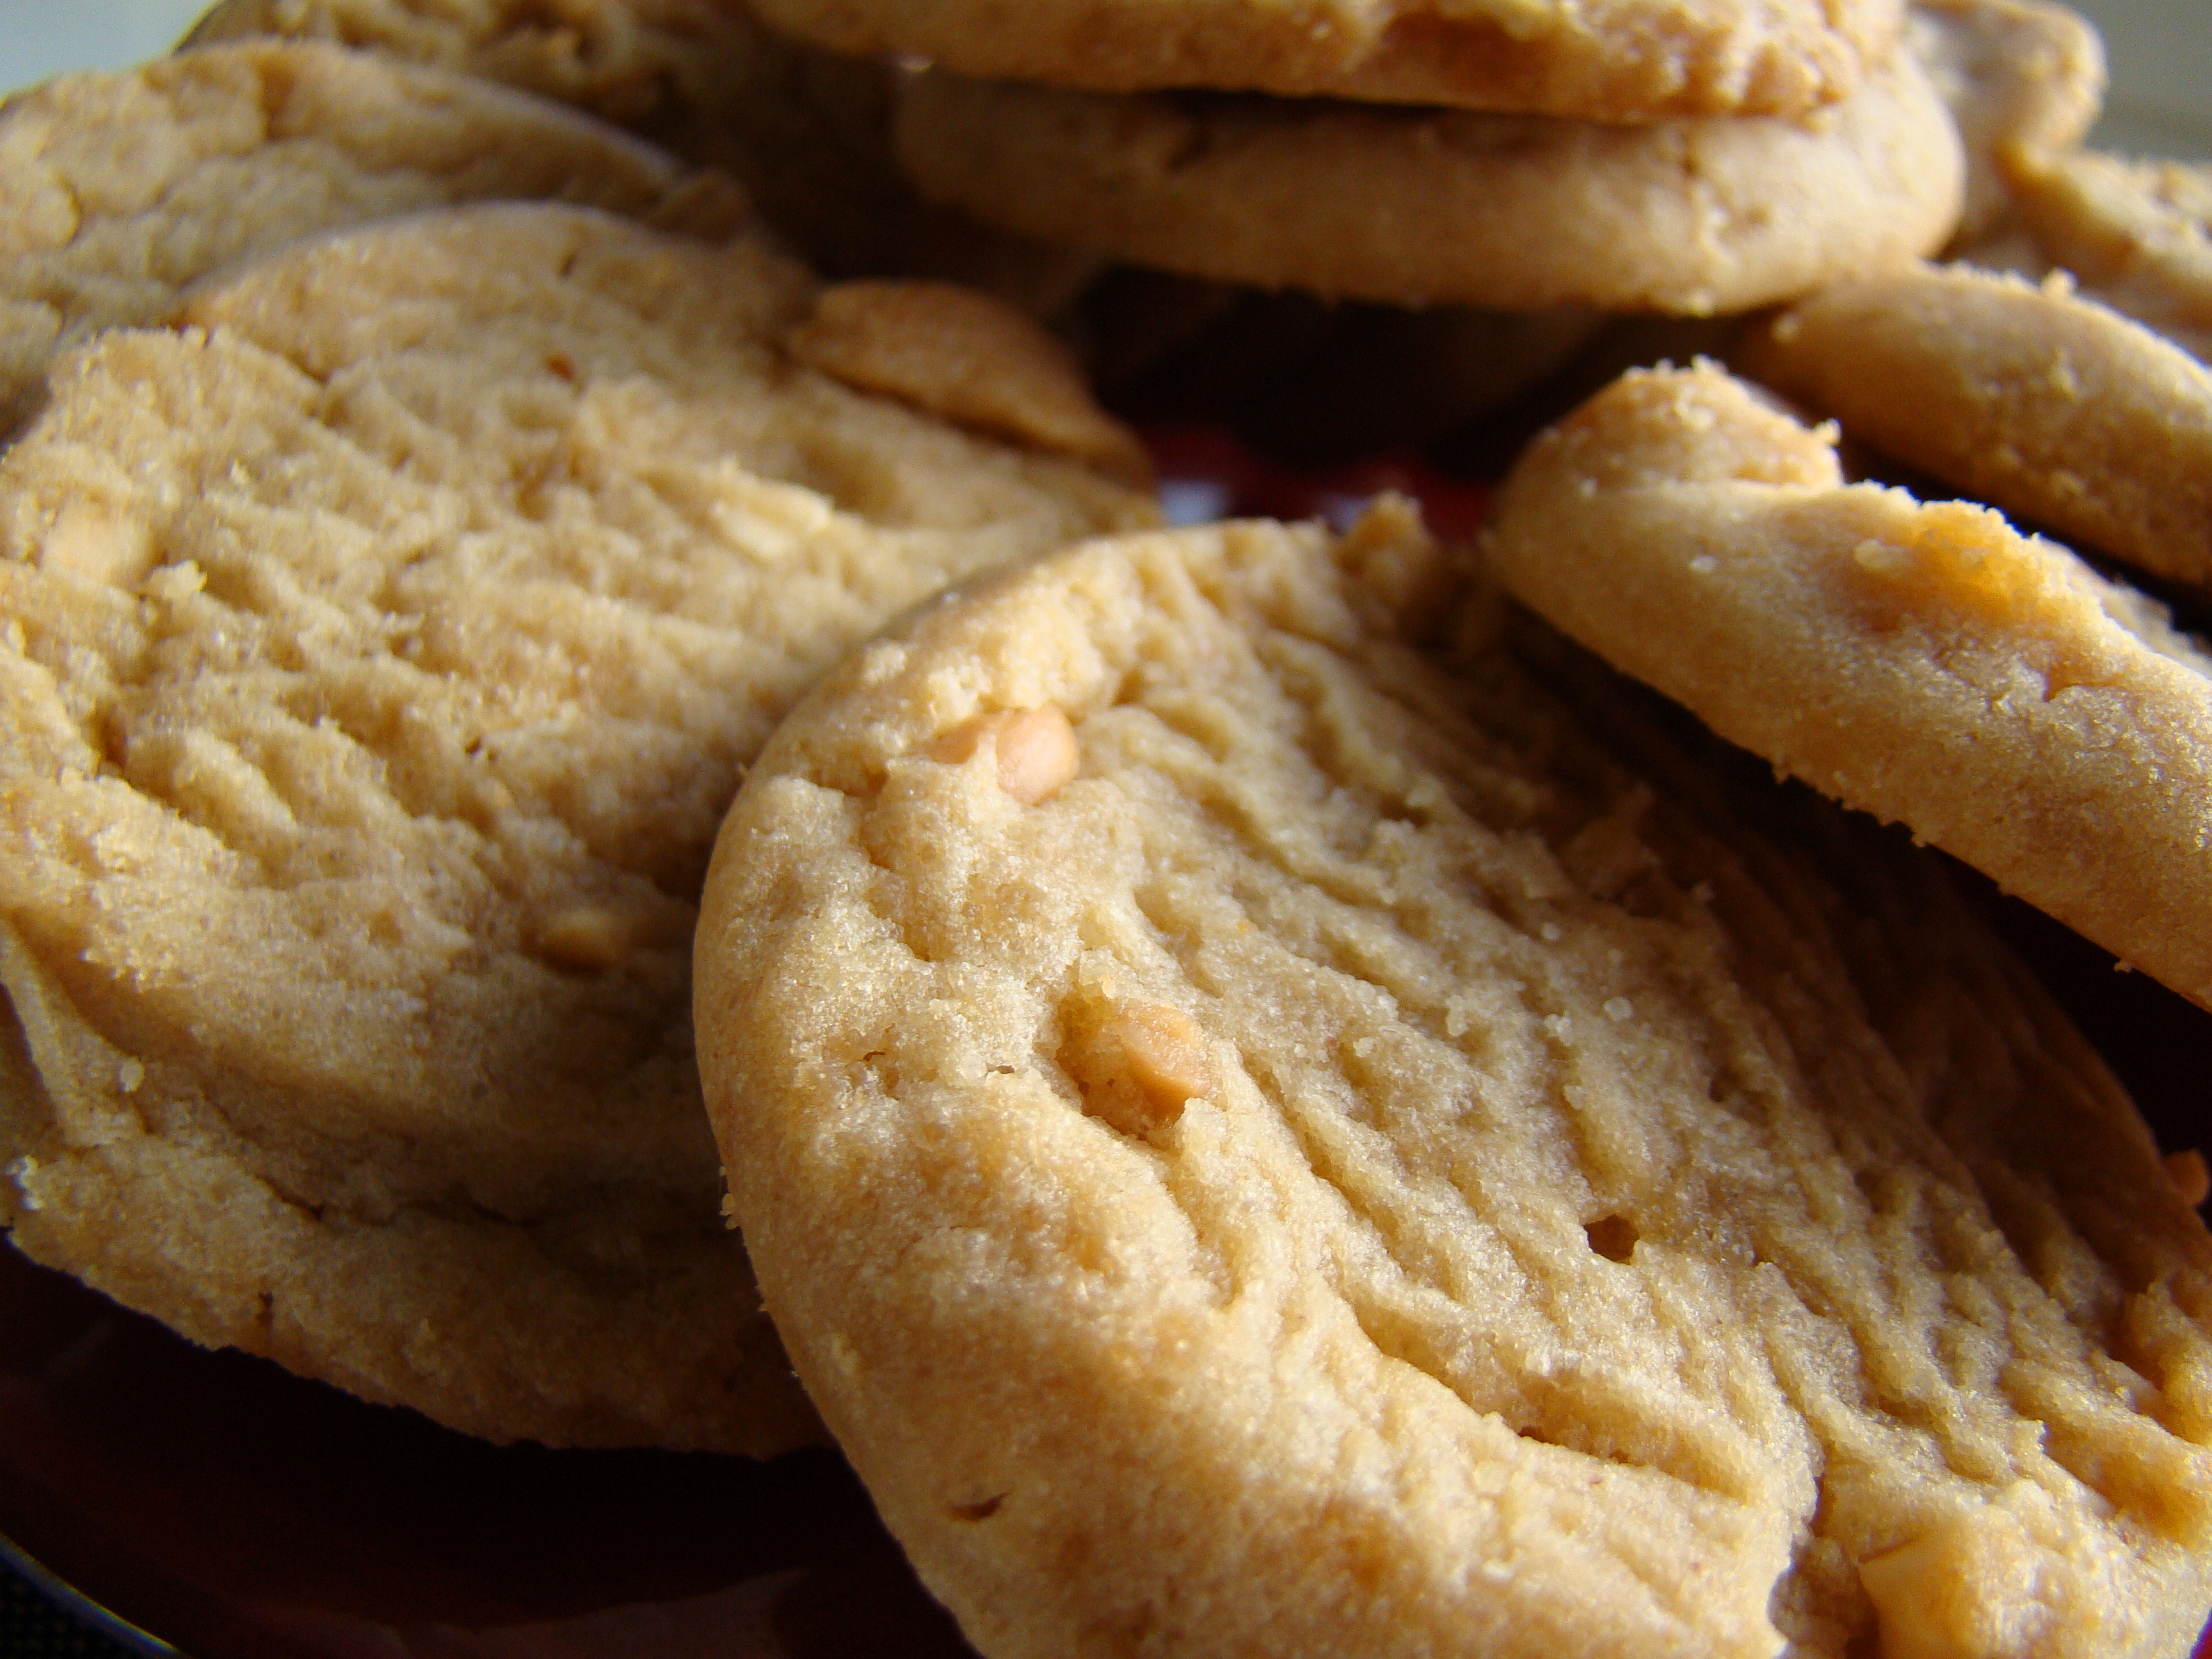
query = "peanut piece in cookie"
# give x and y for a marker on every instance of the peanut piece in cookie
(1036, 749)
(1165, 1049)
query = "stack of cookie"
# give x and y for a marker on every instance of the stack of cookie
(1267, 1130)
(1644, 155)
(1279, 1109)
(1943, 665)
(1339, 226)
(807, 132)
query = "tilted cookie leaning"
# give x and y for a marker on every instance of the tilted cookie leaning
(2031, 398)
(2138, 235)
(1260, 1141)
(1922, 661)
(379, 649)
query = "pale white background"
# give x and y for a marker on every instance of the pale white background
(2160, 52)
(39, 38)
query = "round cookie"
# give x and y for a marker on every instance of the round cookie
(2025, 81)
(1423, 206)
(2054, 409)
(2137, 234)
(808, 131)
(1260, 1142)
(119, 191)
(1924, 662)
(1611, 60)
(379, 649)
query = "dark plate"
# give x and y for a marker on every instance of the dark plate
(233, 1510)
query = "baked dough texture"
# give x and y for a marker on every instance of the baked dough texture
(2025, 81)
(119, 191)
(2137, 234)
(1428, 206)
(966, 356)
(1922, 661)
(1260, 1142)
(1312, 382)
(2049, 406)
(1612, 60)
(382, 646)
(808, 131)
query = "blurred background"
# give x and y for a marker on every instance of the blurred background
(2160, 57)
(39, 38)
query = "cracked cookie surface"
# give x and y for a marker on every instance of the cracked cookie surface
(119, 191)
(1333, 1161)
(382, 647)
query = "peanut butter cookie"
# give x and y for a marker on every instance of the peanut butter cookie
(2028, 398)
(1416, 207)
(807, 130)
(2137, 234)
(1922, 661)
(1264, 1141)
(2025, 81)
(379, 649)
(1611, 60)
(119, 191)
